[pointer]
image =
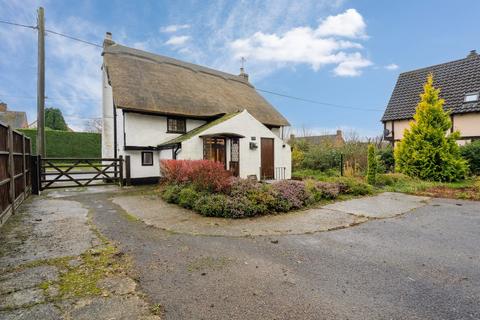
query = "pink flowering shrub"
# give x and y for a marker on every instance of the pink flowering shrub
(209, 189)
(291, 195)
(205, 175)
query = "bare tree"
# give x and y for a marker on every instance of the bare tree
(94, 125)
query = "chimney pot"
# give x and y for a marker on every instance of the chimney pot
(3, 107)
(243, 74)
(108, 39)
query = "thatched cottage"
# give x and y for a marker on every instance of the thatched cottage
(155, 108)
(459, 83)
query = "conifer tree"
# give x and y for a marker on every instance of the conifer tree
(372, 165)
(428, 150)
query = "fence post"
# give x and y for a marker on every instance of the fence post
(127, 170)
(24, 167)
(11, 168)
(34, 174)
(120, 162)
(341, 164)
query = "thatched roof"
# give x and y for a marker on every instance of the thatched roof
(147, 82)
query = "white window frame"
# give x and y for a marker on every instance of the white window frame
(471, 94)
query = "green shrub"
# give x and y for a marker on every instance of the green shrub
(318, 190)
(354, 187)
(187, 197)
(372, 165)
(243, 207)
(211, 205)
(426, 150)
(387, 160)
(471, 153)
(321, 157)
(389, 179)
(171, 193)
(66, 144)
(261, 196)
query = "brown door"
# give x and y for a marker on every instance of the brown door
(267, 163)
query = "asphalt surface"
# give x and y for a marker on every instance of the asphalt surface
(424, 264)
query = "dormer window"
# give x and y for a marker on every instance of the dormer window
(471, 97)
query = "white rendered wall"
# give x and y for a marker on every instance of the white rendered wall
(151, 130)
(250, 160)
(146, 131)
(107, 118)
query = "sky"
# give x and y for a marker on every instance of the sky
(346, 53)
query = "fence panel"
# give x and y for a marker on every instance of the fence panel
(15, 176)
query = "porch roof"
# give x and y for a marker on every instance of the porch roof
(198, 130)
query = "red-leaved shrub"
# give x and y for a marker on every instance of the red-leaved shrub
(205, 175)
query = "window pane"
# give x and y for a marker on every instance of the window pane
(147, 158)
(471, 97)
(176, 125)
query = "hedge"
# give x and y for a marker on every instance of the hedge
(67, 144)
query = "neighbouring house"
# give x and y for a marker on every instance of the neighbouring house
(335, 140)
(459, 83)
(15, 119)
(155, 108)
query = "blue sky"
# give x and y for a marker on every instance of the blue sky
(342, 52)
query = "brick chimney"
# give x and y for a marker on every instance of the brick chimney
(3, 107)
(108, 40)
(243, 74)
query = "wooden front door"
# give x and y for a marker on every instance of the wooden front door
(267, 159)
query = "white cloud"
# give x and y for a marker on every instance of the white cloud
(348, 24)
(351, 65)
(174, 28)
(177, 40)
(392, 66)
(310, 46)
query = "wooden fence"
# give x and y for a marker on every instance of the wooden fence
(15, 171)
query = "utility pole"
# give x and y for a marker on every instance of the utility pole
(41, 84)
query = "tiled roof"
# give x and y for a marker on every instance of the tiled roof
(454, 79)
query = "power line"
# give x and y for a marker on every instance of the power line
(73, 38)
(51, 98)
(317, 102)
(17, 24)
(51, 31)
(262, 90)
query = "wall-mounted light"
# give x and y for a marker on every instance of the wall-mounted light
(253, 145)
